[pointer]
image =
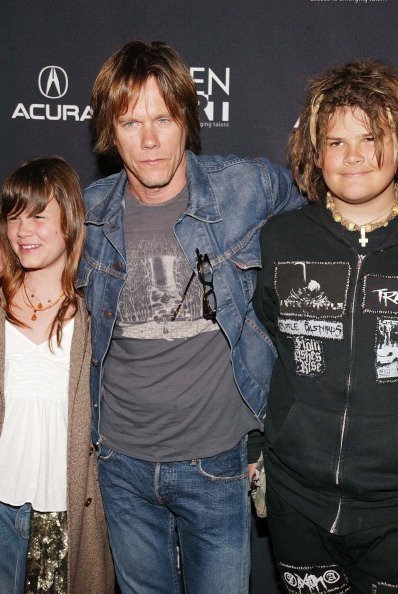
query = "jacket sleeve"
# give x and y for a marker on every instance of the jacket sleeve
(285, 194)
(263, 301)
(261, 304)
(255, 446)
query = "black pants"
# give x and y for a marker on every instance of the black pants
(313, 561)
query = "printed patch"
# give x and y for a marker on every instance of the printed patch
(316, 579)
(308, 356)
(387, 349)
(383, 588)
(380, 294)
(312, 289)
(317, 328)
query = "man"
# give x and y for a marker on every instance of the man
(169, 269)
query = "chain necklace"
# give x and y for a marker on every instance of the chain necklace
(39, 307)
(366, 227)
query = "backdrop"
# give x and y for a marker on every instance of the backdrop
(250, 60)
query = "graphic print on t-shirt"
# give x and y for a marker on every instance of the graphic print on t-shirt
(158, 274)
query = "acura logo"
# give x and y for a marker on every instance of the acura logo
(53, 82)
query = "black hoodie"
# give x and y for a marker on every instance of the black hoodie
(331, 307)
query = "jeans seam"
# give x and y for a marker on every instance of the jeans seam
(173, 552)
(22, 522)
(160, 498)
(220, 479)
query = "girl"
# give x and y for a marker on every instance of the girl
(51, 516)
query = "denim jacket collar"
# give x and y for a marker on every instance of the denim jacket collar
(105, 210)
(202, 203)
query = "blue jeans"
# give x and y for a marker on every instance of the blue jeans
(201, 506)
(14, 540)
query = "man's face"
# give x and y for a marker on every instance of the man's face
(349, 165)
(152, 146)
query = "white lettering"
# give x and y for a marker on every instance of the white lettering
(52, 112)
(50, 116)
(385, 295)
(87, 114)
(33, 111)
(70, 110)
(213, 77)
(20, 112)
(206, 80)
(312, 583)
(192, 70)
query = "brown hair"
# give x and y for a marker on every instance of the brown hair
(121, 78)
(30, 187)
(370, 85)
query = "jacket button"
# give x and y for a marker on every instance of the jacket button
(94, 362)
(117, 266)
(107, 314)
(88, 501)
(113, 227)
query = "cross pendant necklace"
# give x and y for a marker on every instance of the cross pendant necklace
(363, 240)
(367, 227)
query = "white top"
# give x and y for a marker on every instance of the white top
(34, 437)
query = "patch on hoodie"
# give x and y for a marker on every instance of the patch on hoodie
(387, 350)
(314, 579)
(317, 328)
(380, 294)
(312, 289)
(384, 588)
(308, 356)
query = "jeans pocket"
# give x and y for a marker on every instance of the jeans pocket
(105, 453)
(227, 466)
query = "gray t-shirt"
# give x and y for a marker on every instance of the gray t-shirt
(168, 387)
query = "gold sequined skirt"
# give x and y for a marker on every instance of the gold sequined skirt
(46, 569)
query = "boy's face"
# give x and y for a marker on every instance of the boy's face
(349, 164)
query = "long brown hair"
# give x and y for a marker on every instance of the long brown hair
(370, 85)
(29, 188)
(123, 75)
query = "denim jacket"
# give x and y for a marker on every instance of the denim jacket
(230, 198)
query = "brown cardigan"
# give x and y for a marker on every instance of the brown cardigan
(90, 569)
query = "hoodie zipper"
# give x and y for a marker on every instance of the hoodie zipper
(360, 262)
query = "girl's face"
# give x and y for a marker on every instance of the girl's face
(37, 240)
(349, 164)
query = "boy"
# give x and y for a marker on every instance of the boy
(328, 295)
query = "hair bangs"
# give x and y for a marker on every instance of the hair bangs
(23, 192)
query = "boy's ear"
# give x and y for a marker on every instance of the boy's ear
(318, 160)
